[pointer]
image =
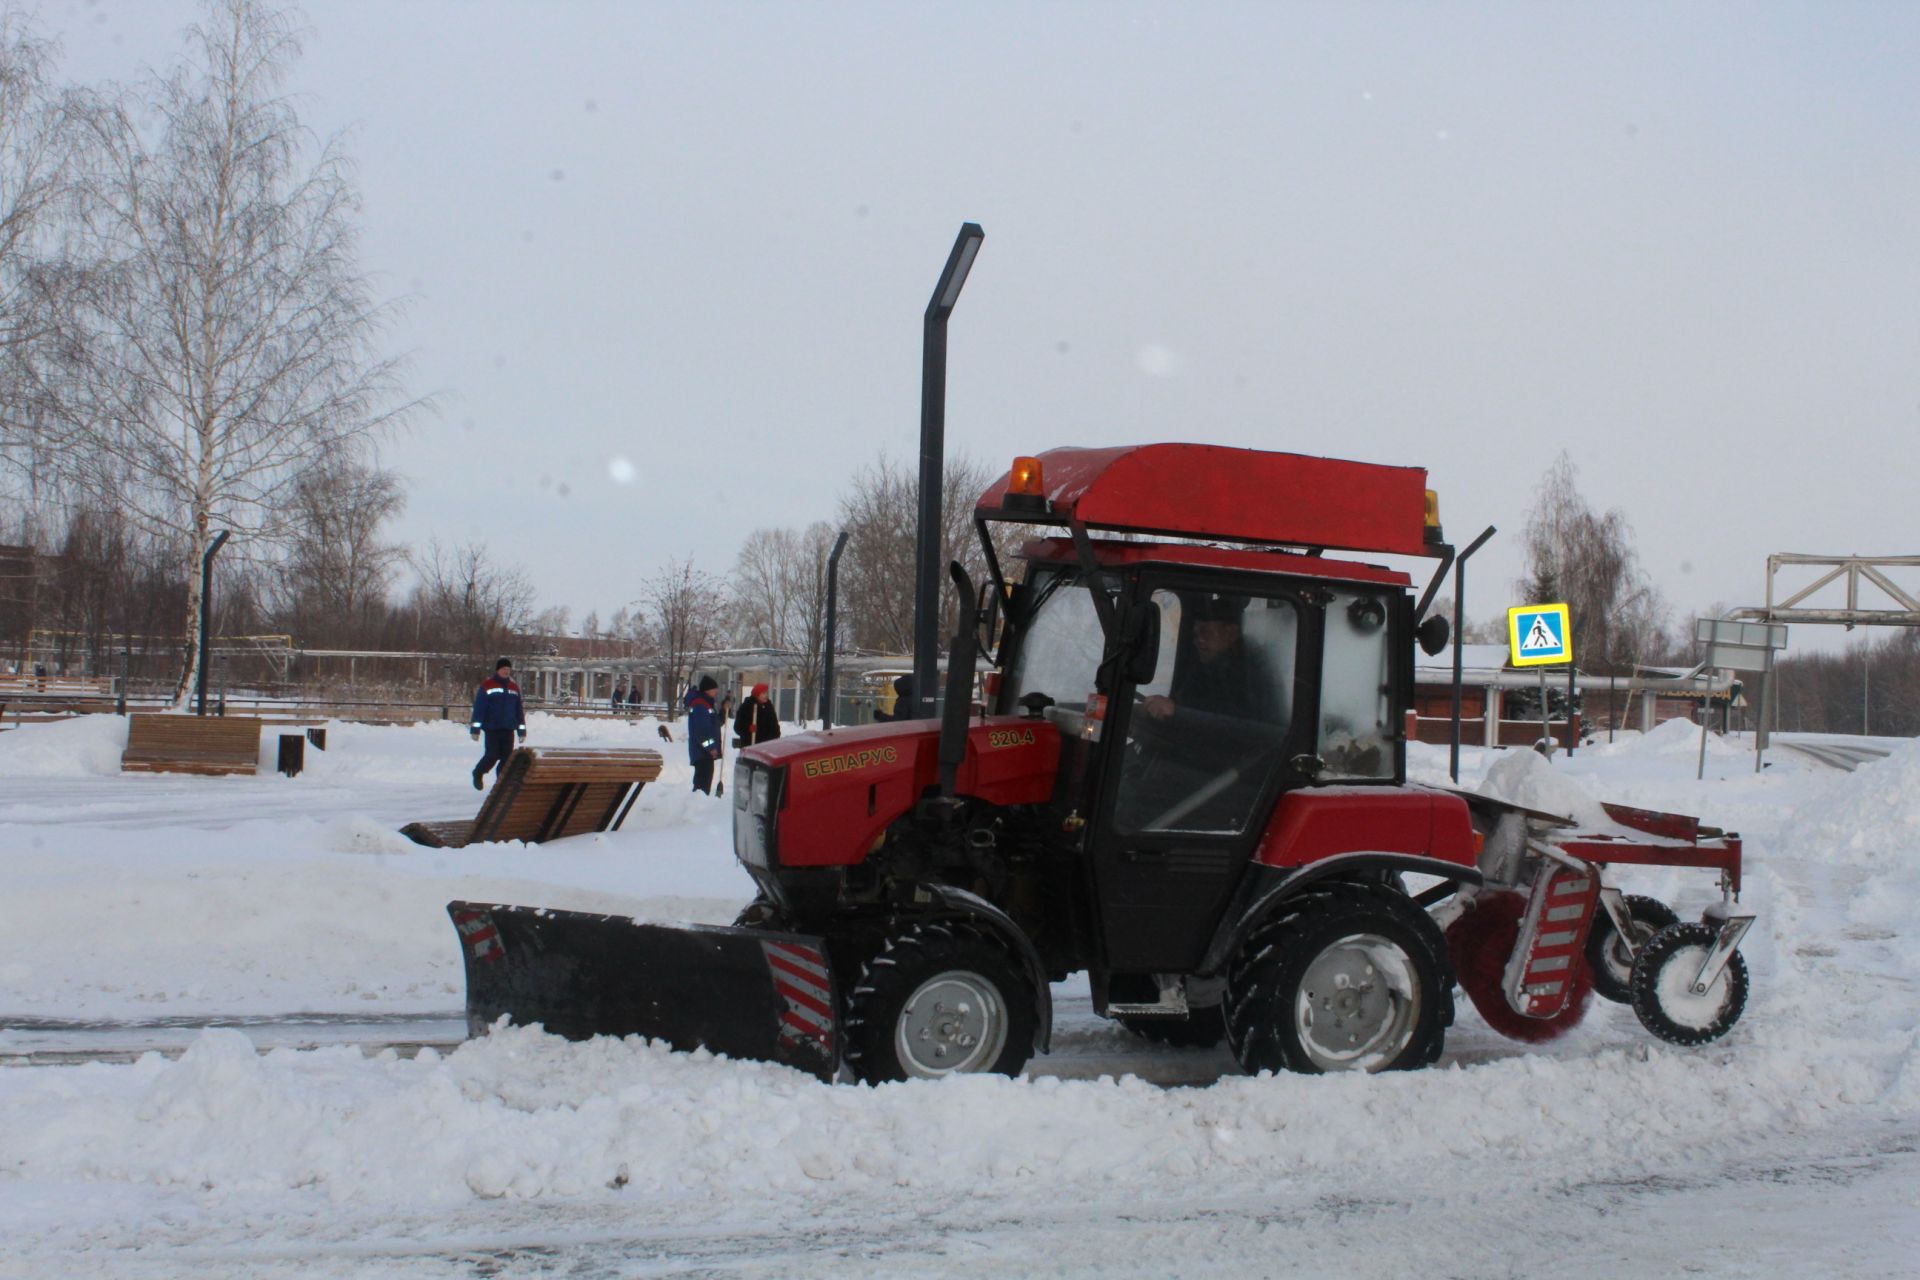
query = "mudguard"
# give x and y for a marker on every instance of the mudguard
(745, 993)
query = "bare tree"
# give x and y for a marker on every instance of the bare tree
(466, 603)
(685, 618)
(41, 146)
(779, 596)
(763, 579)
(339, 570)
(1586, 559)
(881, 512)
(229, 336)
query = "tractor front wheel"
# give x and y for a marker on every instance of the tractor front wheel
(940, 999)
(1342, 981)
(1663, 996)
(1610, 958)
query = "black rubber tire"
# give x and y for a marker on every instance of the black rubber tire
(1686, 945)
(1613, 971)
(911, 957)
(1200, 1029)
(1264, 981)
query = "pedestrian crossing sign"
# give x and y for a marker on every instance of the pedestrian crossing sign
(1540, 635)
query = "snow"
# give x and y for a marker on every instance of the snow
(152, 899)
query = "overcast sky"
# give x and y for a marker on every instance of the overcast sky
(664, 265)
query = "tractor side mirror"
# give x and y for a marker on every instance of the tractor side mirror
(1432, 635)
(1143, 649)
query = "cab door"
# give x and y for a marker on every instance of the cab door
(1194, 757)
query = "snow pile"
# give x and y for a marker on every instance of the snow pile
(1528, 779)
(522, 1114)
(141, 896)
(83, 747)
(1873, 818)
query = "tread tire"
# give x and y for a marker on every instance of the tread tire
(1611, 980)
(1266, 973)
(1672, 945)
(910, 957)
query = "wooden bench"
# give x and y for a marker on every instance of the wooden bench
(66, 687)
(162, 743)
(549, 793)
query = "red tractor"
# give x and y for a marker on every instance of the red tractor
(1188, 779)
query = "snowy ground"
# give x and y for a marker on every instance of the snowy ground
(135, 910)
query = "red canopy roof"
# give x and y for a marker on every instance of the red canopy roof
(1233, 495)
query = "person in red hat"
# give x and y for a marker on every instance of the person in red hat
(756, 721)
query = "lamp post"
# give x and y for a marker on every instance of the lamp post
(1459, 620)
(206, 613)
(933, 426)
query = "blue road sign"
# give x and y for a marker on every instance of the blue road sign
(1539, 634)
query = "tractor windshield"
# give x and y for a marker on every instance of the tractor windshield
(1060, 647)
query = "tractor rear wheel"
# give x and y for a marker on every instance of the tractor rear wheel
(1610, 959)
(941, 998)
(1346, 979)
(1200, 1029)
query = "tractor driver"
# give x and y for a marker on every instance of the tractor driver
(1214, 683)
(1208, 734)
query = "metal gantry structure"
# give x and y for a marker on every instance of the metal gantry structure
(1854, 570)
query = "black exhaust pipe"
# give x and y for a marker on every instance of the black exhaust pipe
(933, 427)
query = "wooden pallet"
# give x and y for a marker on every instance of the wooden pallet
(550, 793)
(210, 745)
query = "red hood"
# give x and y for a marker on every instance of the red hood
(845, 786)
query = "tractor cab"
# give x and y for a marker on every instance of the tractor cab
(1193, 684)
(1235, 683)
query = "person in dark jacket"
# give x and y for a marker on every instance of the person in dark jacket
(757, 721)
(703, 732)
(498, 714)
(902, 701)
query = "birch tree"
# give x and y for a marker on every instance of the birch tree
(231, 336)
(41, 145)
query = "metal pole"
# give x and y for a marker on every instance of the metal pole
(833, 629)
(1546, 720)
(1707, 677)
(206, 612)
(1573, 732)
(1459, 624)
(933, 426)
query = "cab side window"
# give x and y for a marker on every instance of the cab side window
(1356, 729)
(1208, 730)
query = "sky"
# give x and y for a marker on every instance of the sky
(662, 267)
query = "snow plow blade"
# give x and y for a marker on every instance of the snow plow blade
(745, 993)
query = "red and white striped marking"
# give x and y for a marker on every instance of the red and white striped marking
(1554, 932)
(800, 975)
(482, 939)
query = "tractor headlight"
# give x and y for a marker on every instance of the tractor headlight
(755, 813)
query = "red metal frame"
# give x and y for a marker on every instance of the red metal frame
(1720, 854)
(1118, 554)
